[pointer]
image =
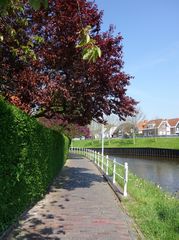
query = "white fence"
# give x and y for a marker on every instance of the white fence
(110, 167)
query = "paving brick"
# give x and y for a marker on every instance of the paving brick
(79, 205)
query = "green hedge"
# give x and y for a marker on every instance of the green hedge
(30, 157)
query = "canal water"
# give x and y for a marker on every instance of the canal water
(163, 172)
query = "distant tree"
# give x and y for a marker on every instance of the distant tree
(58, 83)
(95, 129)
(129, 127)
(75, 130)
(71, 130)
(138, 117)
(125, 129)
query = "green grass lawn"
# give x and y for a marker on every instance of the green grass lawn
(154, 211)
(169, 143)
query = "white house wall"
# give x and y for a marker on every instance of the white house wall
(164, 128)
(177, 128)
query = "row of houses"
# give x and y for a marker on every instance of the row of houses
(156, 127)
(159, 127)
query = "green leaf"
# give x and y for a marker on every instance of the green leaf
(35, 4)
(85, 50)
(12, 32)
(98, 51)
(38, 39)
(1, 38)
(88, 54)
(30, 44)
(14, 51)
(87, 38)
(45, 3)
(85, 41)
(4, 3)
(86, 30)
(91, 54)
(21, 9)
(82, 43)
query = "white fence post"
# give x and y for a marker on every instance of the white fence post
(107, 164)
(95, 156)
(125, 178)
(114, 171)
(98, 159)
(102, 164)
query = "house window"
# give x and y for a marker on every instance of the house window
(151, 125)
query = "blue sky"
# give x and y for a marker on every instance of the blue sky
(150, 29)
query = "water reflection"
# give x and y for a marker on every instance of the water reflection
(163, 172)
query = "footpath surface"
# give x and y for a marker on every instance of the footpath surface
(79, 206)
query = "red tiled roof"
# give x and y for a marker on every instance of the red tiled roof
(173, 121)
(155, 121)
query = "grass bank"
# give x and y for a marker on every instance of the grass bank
(154, 211)
(30, 157)
(168, 143)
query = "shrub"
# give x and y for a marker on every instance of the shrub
(30, 157)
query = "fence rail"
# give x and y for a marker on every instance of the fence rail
(141, 152)
(111, 168)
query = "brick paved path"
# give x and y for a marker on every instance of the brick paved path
(79, 206)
